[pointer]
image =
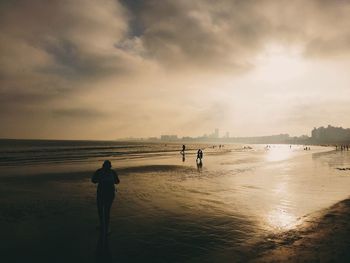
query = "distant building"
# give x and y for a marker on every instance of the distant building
(168, 137)
(216, 133)
(330, 134)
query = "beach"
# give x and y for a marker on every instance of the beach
(322, 237)
(252, 204)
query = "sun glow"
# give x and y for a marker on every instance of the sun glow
(280, 63)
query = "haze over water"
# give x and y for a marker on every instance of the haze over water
(166, 209)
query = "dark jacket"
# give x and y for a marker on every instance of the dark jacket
(106, 180)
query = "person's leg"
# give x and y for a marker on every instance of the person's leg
(107, 206)
(100, 209)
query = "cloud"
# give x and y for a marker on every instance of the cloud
(50, 50)
(85, 59)
(75, 113)
(228, 34)
(91, 39)
(198, 34)
(66, 39)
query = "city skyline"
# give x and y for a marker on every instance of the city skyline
(320, 135)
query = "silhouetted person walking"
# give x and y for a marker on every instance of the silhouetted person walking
(106, 178)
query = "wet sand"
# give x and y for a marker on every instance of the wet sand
(322, 237)
(47, 227)
(238, 207)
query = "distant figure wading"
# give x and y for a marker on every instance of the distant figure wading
(106, 178)
(183, 150)
(199, 155)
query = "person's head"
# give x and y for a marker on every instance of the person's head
(107, 164)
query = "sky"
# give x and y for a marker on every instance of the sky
(108, 69)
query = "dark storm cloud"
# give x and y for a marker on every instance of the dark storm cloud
(71, 39)
(199, 33)
(52, 48)
(71, 62)
(96, 39)
(222, 34)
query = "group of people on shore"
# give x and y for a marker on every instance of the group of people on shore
(342, 147)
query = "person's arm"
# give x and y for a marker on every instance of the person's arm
(116, 178)
(95, 178)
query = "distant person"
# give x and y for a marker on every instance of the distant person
(106, 178)
(182, 152)
(199, 155)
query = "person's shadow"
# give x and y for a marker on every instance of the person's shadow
(103, 253)
(183, 157)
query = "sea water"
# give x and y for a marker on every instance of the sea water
(170, 208)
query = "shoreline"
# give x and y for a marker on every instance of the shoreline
(166, 203)
(323, 236)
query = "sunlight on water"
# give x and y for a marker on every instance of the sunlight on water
(278, 153)
(281, 219)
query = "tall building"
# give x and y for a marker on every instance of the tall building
(216, 133)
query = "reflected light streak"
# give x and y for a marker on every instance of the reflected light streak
(281, 219)
(278, 153)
